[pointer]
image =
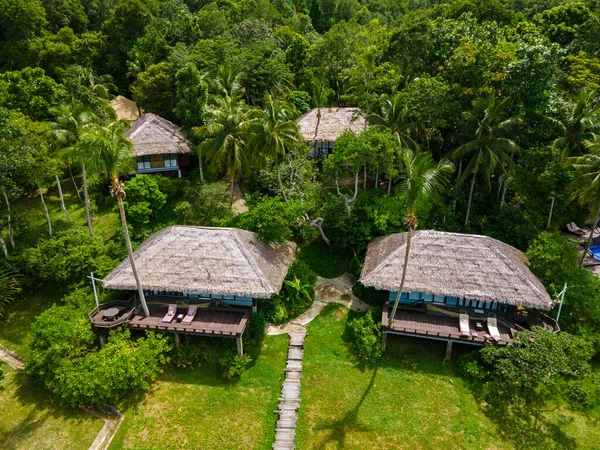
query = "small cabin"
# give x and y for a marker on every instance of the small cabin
(218, 273)
(458, 288)
(321, 127)
(159, 146)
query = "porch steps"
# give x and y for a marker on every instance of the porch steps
(289, 401)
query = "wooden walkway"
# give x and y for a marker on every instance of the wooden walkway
(289, 402)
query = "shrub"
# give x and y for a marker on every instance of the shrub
(205, 204)
(66, 259)
(65, 359)
(144, 199)
(366, 334)
(256, 325)
(188, 356)
(234, 365)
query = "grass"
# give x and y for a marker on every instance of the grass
(412, 400)
(31, 420)
(198, 409)
(327, 262)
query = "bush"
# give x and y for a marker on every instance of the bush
(205, 204)
(67, 259)
(256, 325)
(188, 356)
(366, 333)
(65, 359)
(234, 365)
(143, 201)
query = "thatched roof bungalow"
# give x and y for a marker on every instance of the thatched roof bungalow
(218, 271)
(449, 275)
(159, 145)
(321, 127)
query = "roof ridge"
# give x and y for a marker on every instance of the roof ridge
(261, 275)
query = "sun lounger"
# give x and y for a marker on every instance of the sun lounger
(190, 315)
(492, 324)
(465, 330)
(170, 314)
(573, 228)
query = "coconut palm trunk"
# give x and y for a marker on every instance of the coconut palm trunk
(86, 199)
(589, 240)
(73, 182)
(62, 200)
(403, 279)
(119, 192)
(45, 210)
(279, 177)
(8, 219)
(4, 249)
(550, 213)
(470, 198)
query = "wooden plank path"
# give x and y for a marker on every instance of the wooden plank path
(289, 402)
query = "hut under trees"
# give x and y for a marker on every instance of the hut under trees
(459, 287)
(220, 271)
(321, 127)
(159, 146)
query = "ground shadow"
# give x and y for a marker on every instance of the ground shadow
(338, 429)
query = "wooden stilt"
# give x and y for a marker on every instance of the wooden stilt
(177, 340)
(383, 341)
(101, 340)
(240, 346)
(449, 351)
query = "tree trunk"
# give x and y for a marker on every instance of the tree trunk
(589, 241)
(397, 300)
(8, 219)
(279, 177)
(503, 193)
(86, 200)
(456, 185)
(62, 200)
(470, 199)
(200, 167)
(550, 213)
(4, 249)
(231, 191)
(73, 181)
(318, 224)
(349, 201)
(130, 254)
(389, 186)
(377, 179)
(45, 210)
(365, 176)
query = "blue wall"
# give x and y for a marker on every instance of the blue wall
(234, 300)
(411, 298)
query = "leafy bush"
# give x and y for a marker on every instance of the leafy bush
(67, 258)
(188, 356)
(143, 201)
(366, 333)
(539, 365)
(301, 100)
(234, 365)
(256, 325)
(205, 204)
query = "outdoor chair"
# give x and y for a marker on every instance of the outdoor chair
(465, 330)
(170, 314)
(492, 324)
(191, 313)
(573, 228)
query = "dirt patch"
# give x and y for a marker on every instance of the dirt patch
(341, 313)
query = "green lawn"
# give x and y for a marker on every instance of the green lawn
(198, 409)
(413, 400)
(32, 420)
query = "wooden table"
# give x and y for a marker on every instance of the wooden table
(110, 313)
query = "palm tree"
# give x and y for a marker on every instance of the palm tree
(587, 184)
(224, 137)
(100, 86)
(71, 119)
(579, 126)
(274, 131)
(421, 180)
(488, 149)
(394, 116)
(111, 154)
(226, 82)
(9, 287)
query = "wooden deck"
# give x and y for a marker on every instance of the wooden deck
(440, 327)
(222, 322)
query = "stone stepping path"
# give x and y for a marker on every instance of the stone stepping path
(289, 402)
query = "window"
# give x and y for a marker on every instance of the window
(143, 162)
(170, 160)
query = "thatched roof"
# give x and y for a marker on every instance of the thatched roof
(333, 122)
(153, 135)
(204, 260)
(452, 264)
(124, 108)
